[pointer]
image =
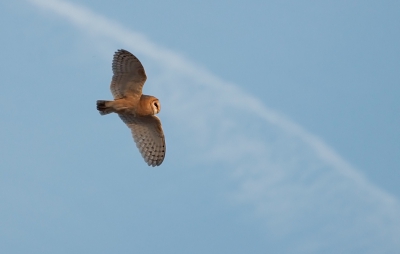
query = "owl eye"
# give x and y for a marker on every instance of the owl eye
(156, 104)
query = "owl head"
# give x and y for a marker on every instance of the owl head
(156, 106)
(149, 105)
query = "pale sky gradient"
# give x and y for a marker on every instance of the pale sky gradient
(239, 176)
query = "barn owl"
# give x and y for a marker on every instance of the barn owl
(135, 109)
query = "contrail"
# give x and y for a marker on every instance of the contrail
(337, 182)
(86, 19)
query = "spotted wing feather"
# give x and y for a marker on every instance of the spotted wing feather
(129, 75)
(149, 137)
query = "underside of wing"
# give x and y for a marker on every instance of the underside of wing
(129, 75)
(149, 137)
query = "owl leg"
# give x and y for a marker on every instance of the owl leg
(104, 107)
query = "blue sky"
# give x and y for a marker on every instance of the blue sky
(281, 121)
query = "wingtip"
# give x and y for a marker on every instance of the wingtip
(154, 163)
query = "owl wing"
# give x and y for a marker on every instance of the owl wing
(129, 75)
(148, 135)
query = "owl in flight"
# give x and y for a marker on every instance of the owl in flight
(138, 111)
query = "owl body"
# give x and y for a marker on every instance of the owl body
(135, 109)
(143, 106)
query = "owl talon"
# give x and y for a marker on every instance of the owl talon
(102, 108)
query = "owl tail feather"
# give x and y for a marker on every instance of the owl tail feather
(102, 107)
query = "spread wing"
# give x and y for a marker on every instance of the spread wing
(148, 135)
(129, 75)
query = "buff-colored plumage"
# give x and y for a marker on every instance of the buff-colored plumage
(135, 109)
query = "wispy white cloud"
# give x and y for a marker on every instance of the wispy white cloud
(292, 178)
